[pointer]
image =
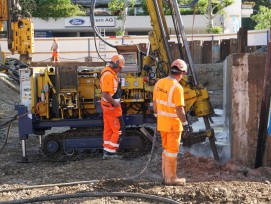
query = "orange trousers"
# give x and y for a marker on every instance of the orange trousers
(55, 56)
(113, 127)
(171, 142)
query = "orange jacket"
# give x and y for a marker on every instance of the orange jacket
(168, 94)
(109, 81)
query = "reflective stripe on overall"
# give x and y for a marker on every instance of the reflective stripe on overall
(168, 94)
(112, 116)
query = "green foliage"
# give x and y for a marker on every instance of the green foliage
(28, 7)
(51, 8)
(259, 3)
(145, 11)
(185, 11)
(201, 6)
(217, 6)
(262, 18)
(214, 30)
(248, 22)
(120, 32)
(118, 6)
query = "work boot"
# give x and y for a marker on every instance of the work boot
(107, 155)
(170, 173)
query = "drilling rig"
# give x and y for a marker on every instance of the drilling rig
(69, 96)
(20, 30)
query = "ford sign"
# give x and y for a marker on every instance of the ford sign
(77, 21)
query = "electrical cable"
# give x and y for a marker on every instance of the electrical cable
(45, 60)
(72, 59)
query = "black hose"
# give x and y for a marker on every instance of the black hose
(86, 182)
(92, 21)
(95, 43)
(6, 139)
(48, 185)
(3, 125)
(149, 161)
(92, 194)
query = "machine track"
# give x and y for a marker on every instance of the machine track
(55, 146)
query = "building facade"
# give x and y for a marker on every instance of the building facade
(135, 25)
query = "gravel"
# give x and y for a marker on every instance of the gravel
(207, 180)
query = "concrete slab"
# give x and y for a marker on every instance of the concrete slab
(243, 87)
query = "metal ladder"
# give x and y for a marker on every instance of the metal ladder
(102, 45)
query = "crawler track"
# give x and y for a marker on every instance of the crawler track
(53, 145)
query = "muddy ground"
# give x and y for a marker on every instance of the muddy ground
(208, 181)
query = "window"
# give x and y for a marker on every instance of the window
(130, 58)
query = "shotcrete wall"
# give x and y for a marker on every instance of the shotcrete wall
(211, 77)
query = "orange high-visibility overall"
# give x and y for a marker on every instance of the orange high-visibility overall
(112, 116)
(55, 56)
(168, 94)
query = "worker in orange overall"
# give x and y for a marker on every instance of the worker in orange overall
(110, 102)
(168, 104)
(55, 51)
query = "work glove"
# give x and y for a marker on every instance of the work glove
(186, 130)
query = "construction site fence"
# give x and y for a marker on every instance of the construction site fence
(205, 48)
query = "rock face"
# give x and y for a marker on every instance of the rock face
(211, 77)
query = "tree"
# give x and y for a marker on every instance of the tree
(211, 8)
(120, 8)
(262, 18)
(51, 8)
(166, 7)
(28, 7)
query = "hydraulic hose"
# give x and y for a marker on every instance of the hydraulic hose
(92, 21)
(49, 185)
(149, 161)
(9, 125)
(90, 181)
(93, 194)
(86, 182)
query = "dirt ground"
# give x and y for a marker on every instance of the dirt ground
(207, 180)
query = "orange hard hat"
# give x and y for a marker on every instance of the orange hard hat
(118, 60)
(180, 65)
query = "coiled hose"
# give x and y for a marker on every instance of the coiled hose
(91, 194)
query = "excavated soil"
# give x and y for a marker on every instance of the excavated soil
(207, 180)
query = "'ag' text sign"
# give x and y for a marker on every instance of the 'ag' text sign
(82, 21)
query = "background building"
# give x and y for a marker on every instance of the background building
(135, 24)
